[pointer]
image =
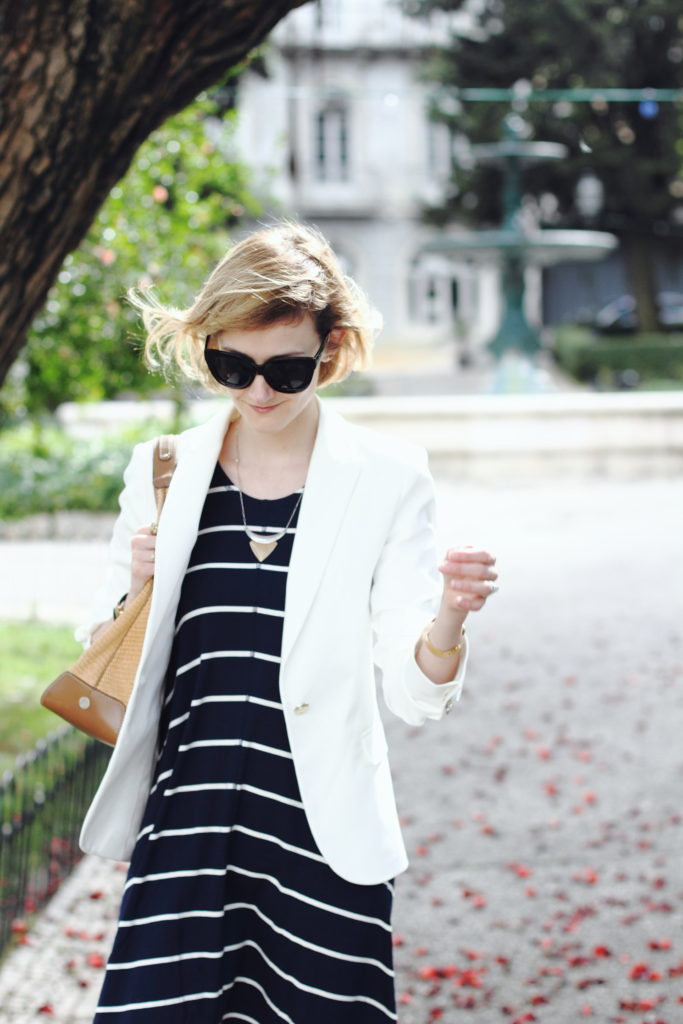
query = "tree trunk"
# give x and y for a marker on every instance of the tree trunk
(639, 257)
(82, 84)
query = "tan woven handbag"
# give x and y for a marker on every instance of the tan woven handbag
(93, 694)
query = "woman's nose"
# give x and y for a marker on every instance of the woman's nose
(259, 391)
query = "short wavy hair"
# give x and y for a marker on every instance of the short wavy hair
(278, 274)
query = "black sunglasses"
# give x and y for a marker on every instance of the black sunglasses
(288, 374)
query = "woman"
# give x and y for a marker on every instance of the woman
(294, 568)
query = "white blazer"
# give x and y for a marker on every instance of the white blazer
(362, 584)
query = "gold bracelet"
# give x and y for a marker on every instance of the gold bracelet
(450, 653)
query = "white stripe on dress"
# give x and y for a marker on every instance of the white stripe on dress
(249, 981)
(166, 833)
(237, 565)
(239, 786)
(257, 528)
(314, 990)
(274, 659)
(162, 876)
(236, 743)
(212, 955)
(225, 698)
(248, 609)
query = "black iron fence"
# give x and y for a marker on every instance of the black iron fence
(42, 803)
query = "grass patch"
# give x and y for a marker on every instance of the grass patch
(31, 655)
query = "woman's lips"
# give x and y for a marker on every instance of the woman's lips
(264, 408)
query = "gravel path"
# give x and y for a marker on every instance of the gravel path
(543, 817)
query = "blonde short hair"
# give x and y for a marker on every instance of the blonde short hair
(278, 274)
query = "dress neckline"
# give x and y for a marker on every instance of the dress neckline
(245, 494)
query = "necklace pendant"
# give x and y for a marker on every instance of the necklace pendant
(262, 550)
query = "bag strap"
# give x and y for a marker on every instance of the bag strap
(165, 461)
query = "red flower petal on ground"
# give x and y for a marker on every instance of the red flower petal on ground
(602, 951)
(95, 960)
(428, 972)
(397, 940)
(97, 895)
(587, 875)
(46, 1008)
(449, 971)
(469, 979)
(638, 1004)
(521, 870)
(660, 944)
(642, 972)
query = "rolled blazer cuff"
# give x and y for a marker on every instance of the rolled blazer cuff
(434, 700)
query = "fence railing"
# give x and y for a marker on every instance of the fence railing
(42, 804)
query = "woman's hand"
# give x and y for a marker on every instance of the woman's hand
(469, 579)
(143, 546)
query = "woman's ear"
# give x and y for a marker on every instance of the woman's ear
(334, 340)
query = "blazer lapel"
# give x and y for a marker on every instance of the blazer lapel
(198, 451)
(331, 480)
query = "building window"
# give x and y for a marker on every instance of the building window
(332, 143)
(433, 292)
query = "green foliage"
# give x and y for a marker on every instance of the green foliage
(31, 654)
(42, 469)
(656, 358)
(571, 44)
(165, 224)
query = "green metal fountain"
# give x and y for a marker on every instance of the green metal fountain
(516, 245)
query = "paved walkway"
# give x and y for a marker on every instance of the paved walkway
(543, 817)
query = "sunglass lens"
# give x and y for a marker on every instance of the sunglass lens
(228, 369)
(291, 374)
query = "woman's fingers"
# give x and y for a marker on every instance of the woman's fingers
(470, 554)
(469, 577)
(143, 548)
(482, 588)
(468, 570)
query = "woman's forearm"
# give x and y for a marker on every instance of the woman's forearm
(443, 635)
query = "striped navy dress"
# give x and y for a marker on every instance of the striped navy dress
(229, 912)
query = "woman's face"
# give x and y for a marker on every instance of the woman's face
(261, 407)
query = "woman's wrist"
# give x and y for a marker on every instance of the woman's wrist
(446, 630)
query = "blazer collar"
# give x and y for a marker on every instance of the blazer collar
(331, 480)
(330, 483)
(198, 451)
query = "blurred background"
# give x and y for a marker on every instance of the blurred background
(504, 178)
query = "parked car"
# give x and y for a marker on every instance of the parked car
(621, 316)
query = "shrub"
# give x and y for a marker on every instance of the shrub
(652, 356)
(42, 469)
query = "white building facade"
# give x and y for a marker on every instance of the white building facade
(339, 135)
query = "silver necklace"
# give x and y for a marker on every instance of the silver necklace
(262, 544)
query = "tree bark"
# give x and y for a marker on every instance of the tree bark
(82, 84)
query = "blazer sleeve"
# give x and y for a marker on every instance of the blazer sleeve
(137, 508)
(405, 595)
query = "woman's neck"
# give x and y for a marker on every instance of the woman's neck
(270, 465)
